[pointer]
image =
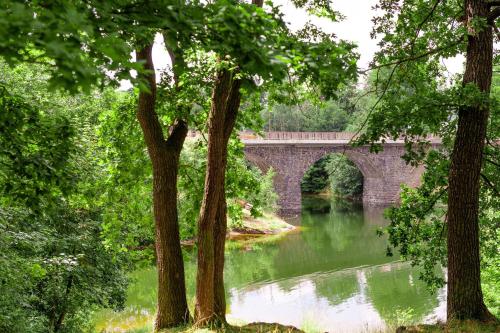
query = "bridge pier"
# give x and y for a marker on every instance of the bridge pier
(383, 173)
(289, 194)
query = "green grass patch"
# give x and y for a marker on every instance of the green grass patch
(467, 326)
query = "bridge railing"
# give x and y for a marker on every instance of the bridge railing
(298, 135)
(308, 135)
(328, 136)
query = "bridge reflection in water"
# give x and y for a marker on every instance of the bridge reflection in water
(333, 275)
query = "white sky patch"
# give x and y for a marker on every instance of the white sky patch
(356, 27)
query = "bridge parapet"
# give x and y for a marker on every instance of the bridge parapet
(308, 136)
(298, 136)
(248, 136)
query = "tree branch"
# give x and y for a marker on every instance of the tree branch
(146, 114)
(429, 15)
(232, 107)
(178, 135)
(490, 184)
(490, 161)
(493, 15)
(416, 57)
(365, 121)
(492, 3)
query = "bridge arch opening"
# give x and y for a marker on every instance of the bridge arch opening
(335, 174)
(292, 154)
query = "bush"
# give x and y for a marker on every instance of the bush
(345, 178)
(54, 267)
(316, 179)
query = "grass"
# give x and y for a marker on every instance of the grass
(268, 223)
(467, 326)
(310, 327)
(250, 328)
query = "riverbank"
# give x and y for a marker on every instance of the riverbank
(251, 227)
(250, 328)
(467, 326)
(267, 224)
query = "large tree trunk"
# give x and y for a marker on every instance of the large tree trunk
(212, 224)
(465, 298)
(172, 307)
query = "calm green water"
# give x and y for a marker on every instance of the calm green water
(332, 276)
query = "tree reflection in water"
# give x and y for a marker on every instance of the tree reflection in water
(333, 273)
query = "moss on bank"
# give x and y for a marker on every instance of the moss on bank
(467, 326)
(267, 224)
(250, 328)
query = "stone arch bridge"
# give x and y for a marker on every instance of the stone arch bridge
(290, 154)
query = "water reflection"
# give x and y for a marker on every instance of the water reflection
(333, 275)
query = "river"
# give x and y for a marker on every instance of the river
(331, 275)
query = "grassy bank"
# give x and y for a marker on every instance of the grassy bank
(250, 328)
(252, 228)
(267, 224)
(468, 326)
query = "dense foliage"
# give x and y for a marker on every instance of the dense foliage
(345, 178)
(75, 175)
(128, 222)
(55, 270)
(76, 205)
(418, 98)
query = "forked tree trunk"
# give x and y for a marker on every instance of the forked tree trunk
(465, 298)
(172, 307)
(212, 224)
(210, 306)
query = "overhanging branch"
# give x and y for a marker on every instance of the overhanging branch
(490, 184)
(415, 57)
(493, 15)
(493, 3)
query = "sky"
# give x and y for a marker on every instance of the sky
(355, 27)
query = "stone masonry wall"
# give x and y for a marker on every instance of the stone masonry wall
(383, 172)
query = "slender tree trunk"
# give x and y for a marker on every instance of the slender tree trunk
(59, 323)
(220, 230)
(212, 224)
(232, 107)
(465, 298)
(172, 307)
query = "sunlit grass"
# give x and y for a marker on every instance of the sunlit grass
(467, 326)
(250, 328)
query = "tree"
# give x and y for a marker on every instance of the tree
(415, 102)
(164, 154)
(55, 268)
(465, 297)
(345, 178)
(81, 42)
(310, 55)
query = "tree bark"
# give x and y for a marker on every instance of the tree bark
(465, 298)
(210, 306)
(220, 230)
(212, 224)
(172, 307)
